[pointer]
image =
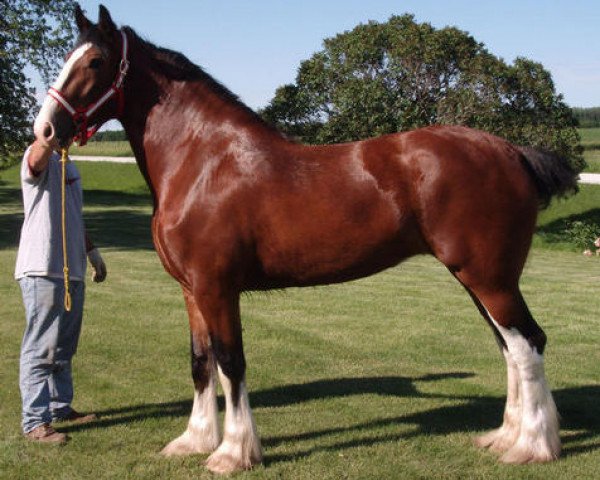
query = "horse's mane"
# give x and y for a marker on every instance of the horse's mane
(177, 66)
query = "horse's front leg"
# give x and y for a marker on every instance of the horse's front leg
(240, 448)
(202, 434)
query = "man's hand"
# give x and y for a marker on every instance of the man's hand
(98, 265)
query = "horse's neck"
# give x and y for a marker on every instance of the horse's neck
(169, 121)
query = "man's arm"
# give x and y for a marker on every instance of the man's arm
(38, 158)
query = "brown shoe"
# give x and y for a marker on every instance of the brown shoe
(76, 417)
(45, 433)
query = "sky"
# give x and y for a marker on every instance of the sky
(255, 46)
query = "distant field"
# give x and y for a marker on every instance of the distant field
(590, 138)
(109, 149)
(592, 157)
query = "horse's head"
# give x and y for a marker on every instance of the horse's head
(88, 90)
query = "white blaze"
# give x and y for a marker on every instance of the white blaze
(50, 105)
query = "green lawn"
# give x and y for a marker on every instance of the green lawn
(590, 137)
(553, 222)
(592, 157)
(108, 148)
(590, 140)
(387, 377)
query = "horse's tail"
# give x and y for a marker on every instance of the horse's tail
(552, 174)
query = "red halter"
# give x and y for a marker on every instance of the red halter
(82, 115)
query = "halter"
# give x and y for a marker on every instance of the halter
(82, 115)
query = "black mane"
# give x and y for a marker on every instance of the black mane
(178, 67)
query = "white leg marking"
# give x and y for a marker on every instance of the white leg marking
(538, 439)
(241, 448)
(50, 106)
(202, 434)
(501, 439)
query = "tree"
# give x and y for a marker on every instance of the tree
(109, 136)
(387, 77)
(33, 33)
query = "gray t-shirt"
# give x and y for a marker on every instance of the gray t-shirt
(40, 247)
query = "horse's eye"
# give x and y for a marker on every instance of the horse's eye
(95, 63)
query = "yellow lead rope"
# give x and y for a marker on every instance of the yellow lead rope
(63, 160)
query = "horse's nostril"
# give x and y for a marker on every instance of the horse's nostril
(48, 131)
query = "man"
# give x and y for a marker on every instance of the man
(51, 333)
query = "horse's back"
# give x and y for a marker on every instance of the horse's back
(337, 212)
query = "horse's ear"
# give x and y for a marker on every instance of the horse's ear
(105, 23)
(82, 22)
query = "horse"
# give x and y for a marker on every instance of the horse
(239, 207)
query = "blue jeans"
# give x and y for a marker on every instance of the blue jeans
(49, 342)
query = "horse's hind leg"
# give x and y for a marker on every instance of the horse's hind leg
(202, 434)
(504, 437)
(501, 439)
(529, 402)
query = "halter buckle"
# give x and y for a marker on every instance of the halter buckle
(124, 66)
(123, 69)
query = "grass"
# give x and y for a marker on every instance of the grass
(590, 138)
(386, 377)
(592, 157)
(553, 222)
(109, 149)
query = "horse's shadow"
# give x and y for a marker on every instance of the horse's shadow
(107, 222)
(579, 408)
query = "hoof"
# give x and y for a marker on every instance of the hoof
(226, 460)
(498, 441)
(223, 464)
(520, 454)
(188, 445)
(487, 439)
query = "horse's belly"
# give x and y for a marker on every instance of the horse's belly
(326, 251)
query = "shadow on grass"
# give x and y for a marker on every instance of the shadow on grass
(555, 231)
(112, 198)
(579, 408)
(10, 226)
(9, 194)
(122, 227)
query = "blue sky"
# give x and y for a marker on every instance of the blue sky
(254, 46)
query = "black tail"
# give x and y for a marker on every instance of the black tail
(552, 174)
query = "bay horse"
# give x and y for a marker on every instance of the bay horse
(238, 207)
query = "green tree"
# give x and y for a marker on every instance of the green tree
(387, 77)
(33, 33)
(109, 136)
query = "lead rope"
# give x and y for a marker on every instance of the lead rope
(63, 161)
